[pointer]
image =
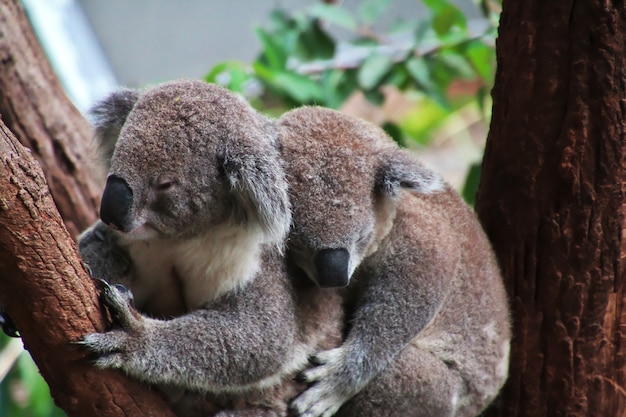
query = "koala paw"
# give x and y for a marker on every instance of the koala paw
(330, 389)
(116, 348)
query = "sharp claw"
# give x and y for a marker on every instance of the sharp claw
(314, 360)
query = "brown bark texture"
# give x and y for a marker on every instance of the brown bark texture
(52, 299)
(35, 108)
(552, 201)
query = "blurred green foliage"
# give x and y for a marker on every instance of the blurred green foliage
(23, 392)
(301, 62)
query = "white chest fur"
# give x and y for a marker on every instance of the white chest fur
(196, 270)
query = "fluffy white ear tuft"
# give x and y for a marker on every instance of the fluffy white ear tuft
(399, 169)
(109, 115)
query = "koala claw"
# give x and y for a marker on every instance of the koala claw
(112, 348)
(327, 393)
(119, 301)
(316, 401)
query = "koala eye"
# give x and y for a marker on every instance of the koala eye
(164, 185)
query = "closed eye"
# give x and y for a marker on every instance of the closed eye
(165, 185)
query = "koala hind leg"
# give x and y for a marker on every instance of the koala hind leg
(415, 384)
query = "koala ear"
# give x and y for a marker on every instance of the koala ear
(258, 182)
(399, 169)
(109, 115)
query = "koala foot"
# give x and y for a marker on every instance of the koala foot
(115, 348)
(331, 386)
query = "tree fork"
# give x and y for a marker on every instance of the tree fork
(552, 201)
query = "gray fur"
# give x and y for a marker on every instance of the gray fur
(427, 312)
(206, 219)
(109, 116)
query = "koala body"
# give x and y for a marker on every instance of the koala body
(428, 318)
(198, 199)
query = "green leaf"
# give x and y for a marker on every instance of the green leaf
(420, 72)
(298, 87)
(235, 73)
(472, 181)
(374, 96)
(332, 81)
(457, 63)
(447, 19)
(395, 132)
(374, 68)
(370, 10)
(334, 14)
(482, 59)
(314, 43)
(446, 16)
(273, 53)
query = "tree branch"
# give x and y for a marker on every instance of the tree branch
(52, 299)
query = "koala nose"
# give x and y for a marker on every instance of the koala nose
(332, 267)
(117, 201)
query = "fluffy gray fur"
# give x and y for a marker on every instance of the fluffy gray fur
(198, 194)
(428, 315)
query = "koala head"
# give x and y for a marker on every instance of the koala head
(345, 176)
(190, 156)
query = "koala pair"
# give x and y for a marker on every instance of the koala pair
(198, 189)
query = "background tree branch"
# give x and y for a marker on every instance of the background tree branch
(35, 108)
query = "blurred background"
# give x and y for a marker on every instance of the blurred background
(421, 69)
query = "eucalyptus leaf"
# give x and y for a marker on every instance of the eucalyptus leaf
(458, 63)
(420, 72)
(482, 59)
(334, 14)
(447, 18)
(370, 10)
(374, 68)
(273, 52)
(395, 132)
(472, 181)
(299, 87)
(314, 43)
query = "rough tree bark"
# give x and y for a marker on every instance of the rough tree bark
(552, 201)
(51, 298)
(43, 284)
(35, 108)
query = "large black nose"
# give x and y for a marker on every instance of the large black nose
(332, 267)
(116, 204)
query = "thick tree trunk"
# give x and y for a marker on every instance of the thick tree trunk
(43, 284)
(552, 201)
(51, 298)
(35, 108)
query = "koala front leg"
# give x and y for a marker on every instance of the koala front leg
(121, 347)
(391, 313)
(236, 343)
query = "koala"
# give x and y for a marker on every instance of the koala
(194, 216)
(428, 321)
